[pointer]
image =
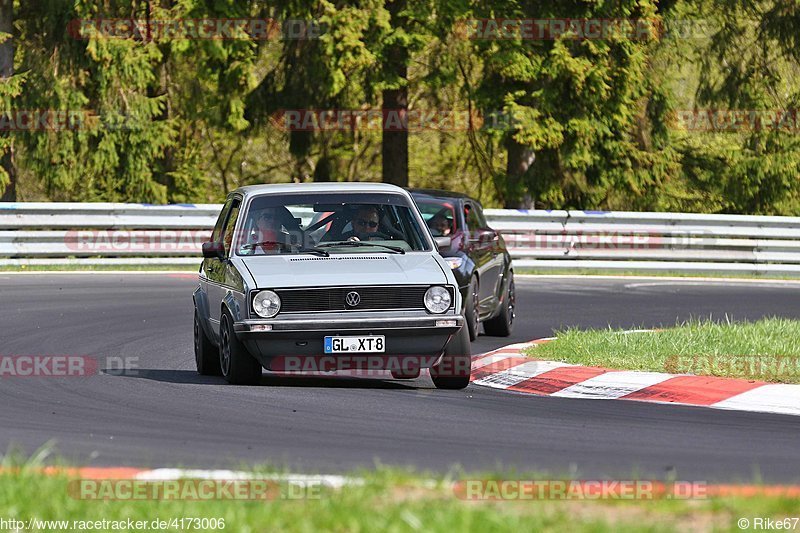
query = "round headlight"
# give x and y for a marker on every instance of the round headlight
(437, 299)
(266, 304)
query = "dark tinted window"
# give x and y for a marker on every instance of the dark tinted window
(230, 225)
(481, 220)
(472, 217)
(215, 236)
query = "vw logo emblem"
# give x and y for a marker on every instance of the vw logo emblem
(352, 299)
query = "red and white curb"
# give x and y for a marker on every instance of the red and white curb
(509, 369)
(175, 474)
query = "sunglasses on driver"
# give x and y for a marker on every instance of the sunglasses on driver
(366, 223)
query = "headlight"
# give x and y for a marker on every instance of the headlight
(454, 262)
(437, 299)
(266, 304)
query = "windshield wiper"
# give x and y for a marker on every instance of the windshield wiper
(394, 249)
(283, 245)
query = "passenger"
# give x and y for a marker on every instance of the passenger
(439, 225)
(267, 230)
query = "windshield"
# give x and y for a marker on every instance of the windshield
(326, 223)
(439, 215)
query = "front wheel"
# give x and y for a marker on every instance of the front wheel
(238, 366)
(455, 368)
(503, 324)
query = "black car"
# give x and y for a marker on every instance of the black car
(478, 256)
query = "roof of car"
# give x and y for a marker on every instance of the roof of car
(438, 193)
(286, 188)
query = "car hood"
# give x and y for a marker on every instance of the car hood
(344, 269)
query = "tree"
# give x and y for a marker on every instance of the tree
(329, 68)
(394, 101)
(10, 87)
(749, 69)
(572, 103)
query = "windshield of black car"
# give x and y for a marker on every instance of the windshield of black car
(439, 215)
(293, 223)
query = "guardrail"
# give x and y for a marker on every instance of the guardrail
(131, 234)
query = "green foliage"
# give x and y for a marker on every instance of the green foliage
(557, 123)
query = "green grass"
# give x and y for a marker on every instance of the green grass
(768, 349)
(649, 274)
(390, 500)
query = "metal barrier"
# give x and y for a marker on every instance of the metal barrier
(132, 234)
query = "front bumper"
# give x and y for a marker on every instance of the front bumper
(333, 326)
(404, 335)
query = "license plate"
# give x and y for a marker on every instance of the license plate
(369, 344)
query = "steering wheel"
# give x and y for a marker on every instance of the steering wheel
(371, 236)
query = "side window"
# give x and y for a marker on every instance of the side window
(230, 225)
(478, 210)
(471, 218)
(215, 236)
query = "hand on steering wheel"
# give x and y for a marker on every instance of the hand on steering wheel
(359, 236)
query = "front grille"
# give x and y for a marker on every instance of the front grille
(333, 299)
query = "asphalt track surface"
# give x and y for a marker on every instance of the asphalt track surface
(167, 415)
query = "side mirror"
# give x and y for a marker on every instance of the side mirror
(486, 236)
(213, 250)
(443, 242)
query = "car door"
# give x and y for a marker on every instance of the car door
(496, 260)
(217, 270)
(479, 249)
(208, 264)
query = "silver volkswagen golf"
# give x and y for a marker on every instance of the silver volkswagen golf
(327, 277)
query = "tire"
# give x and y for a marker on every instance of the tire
(471, 309)
(237, 365)
(206, 355)
(503, 324)
(454, 370)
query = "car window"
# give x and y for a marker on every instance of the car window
(439, 215)
(472, 217)
(293, 223)
(478, 212)
(215, 236)
(230, 225)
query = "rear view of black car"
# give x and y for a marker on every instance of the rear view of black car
(478, 256)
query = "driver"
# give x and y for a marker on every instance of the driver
(365, 221)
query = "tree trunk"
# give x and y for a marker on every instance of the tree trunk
(520, 159)
(9, 192)
(323, 171)
(168, 164)
(394, 149)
